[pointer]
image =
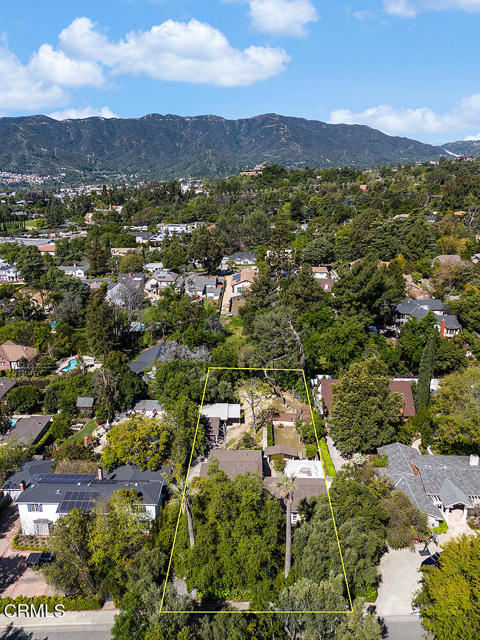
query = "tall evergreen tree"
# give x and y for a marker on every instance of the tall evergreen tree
(425, 373)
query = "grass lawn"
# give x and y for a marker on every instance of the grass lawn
(86, 431)
(287, 436)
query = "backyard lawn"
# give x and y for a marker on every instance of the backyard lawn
(86, 431)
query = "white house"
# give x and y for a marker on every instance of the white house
(9, 273)
(42, 498)
(76, 271)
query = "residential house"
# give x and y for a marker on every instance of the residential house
(141, 237)
(14, 356)
(48, 248)
(320, 273)
(148, 408)
(43, 497)
(450, 260)
(235, 462)
(397, 385)
(159, 281)
(242, 280)
(438, 485)
(239, 259)
(447, 324)
(8, 272)
(76, 271)
(123, 251)
(203, 286)
(127, 285)
(229, 414)
(28, 430)
(151, 267)
(288, 453)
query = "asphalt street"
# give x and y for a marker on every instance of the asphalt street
(399, 628)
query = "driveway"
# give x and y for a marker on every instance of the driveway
(15, 578)
(400, 580)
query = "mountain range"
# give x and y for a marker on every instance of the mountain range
(169, 146)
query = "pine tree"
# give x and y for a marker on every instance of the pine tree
(422, 394)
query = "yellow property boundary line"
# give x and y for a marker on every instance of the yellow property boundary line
(302, 371)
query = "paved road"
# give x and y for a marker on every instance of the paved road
(404, 628)
(60, 632)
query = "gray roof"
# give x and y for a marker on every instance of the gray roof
(281, 448)
(26, 472)
(83, 490)
(450, 495)
(84, 402)
(147, 405)
(419, 307)
(147, 358)
(451, 322)
(28, 430)
(66, 269)
(452, 478)
(5, 386)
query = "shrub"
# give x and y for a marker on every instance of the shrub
(79, 603)
(24, 399)
(380, 461)
(370, 594)
(310, 451)
(442, 528)
(30, 543)
(270, 440)
(278, 462)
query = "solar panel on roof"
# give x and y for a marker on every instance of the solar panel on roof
(66, 478)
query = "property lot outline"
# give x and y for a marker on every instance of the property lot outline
(302, 372)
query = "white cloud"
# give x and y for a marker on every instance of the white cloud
(83, 112)
(22, 88)
(54, 66)
(282, 17)
(472, 138)
(406, 121)
(190, 51)
(410, 8)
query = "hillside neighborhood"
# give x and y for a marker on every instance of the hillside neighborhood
(254, 395)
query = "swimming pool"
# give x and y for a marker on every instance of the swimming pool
(71, 365)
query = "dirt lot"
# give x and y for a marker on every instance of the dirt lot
(15, 578)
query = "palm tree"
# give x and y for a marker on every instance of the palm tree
(187, 492)
(286, 484)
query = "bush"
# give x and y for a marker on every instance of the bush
(442, 528)
(370, 594)
(380, 461)
(79, 603)
(24, 399)
(270, 440)
(278, 462)
(310, 451)
(30, 543)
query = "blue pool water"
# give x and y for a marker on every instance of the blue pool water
(71, 365)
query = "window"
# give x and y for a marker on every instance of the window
(35, 507)
(42, 528)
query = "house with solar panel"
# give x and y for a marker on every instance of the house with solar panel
(42, 497)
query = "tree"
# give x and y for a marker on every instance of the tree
(139, 440)
(206, 249)
(184, 495)
(359, 625)
(70, 309)
(98, 258)
(276, 342)
(449, 599)
(364, 413)
(467, 308)
(24, 399)
(425, 373)
(12, 455)
(254, 392)
(30, 264)
(131, 263)
(318, 251)
(457, 407)
(100, 324)
(286, 484)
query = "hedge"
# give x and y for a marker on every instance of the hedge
(270, 441)
(80, 603)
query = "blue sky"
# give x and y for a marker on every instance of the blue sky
(407, 67)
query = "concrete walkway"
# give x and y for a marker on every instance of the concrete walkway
(338, 460)
(399, 581)
(73, 618)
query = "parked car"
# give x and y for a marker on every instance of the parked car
(38, 558)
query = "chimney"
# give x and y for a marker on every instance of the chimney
(474, 460)
(442, 329)
(99, 473)
(22, 486)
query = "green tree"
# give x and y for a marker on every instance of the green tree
(457, 410)
(358, 625)
(100, 324)
(98, 258)
(206, 249)
(318, 251)
(131, 263)
(139, 440)
(24, 399)
(30, 264)
(12, 455)
(276, 342)
(364, 415)
(184, 495)
(449, 600)
(286, 485)
(425, 373)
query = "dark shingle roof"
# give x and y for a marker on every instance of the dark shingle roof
(237, 462)
(305, 488)
(450, 495)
